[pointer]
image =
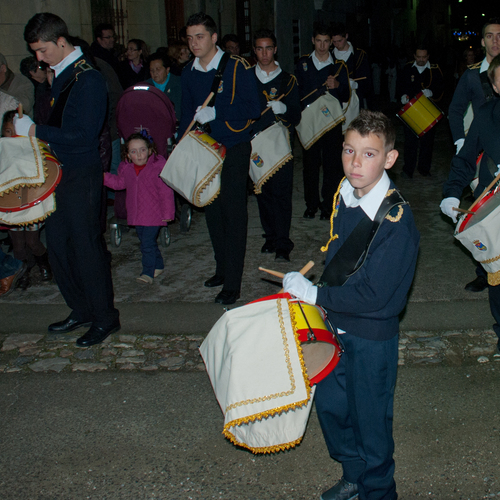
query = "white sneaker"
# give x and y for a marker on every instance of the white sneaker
(144, 278)
(158, 272)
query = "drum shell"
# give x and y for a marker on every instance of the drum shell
(420, 114)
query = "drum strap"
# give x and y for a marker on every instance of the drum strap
(352, 254)
(55, 119)
(486, 86)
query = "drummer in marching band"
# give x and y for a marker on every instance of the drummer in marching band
(277, 91)
(420, 76)
(483, 136)
(355, 401)
(319, 71)
(237, 103)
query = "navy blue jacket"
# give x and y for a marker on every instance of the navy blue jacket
(369, 303)
(412, 82)
(309, 79)
(359, 67)
(76, 143)
(270, 91)
(484, 135)
(236, 104)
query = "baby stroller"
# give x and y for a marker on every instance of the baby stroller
(144, 107)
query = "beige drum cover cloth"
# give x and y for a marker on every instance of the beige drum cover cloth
(481, 235)
(254, 360)
(318, 118)
(193, 170)
(37, 213)
(271, 149)
(351, 110)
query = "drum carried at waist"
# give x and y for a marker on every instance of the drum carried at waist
(30, 174)
(420, 114)
(193, 169)
(478, 232)
(271, 149)
(324, 114)
(262, 360)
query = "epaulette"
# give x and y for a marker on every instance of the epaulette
(241, 60)
(304, 55)
(475, 65)
(395, 213)
(409, 62)
(434, 66)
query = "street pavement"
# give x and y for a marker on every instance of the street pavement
(136, 417)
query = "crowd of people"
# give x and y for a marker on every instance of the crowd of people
(233, 98)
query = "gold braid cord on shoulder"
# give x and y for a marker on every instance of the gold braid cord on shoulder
(334, 213)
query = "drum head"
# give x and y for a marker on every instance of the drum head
(320, 359)
(484, 207)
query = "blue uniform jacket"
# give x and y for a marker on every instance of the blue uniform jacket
(369, 303)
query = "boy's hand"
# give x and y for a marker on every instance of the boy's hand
(204, 115)
(332, 83)
(295, 284)
(447, 206)
(23, 125)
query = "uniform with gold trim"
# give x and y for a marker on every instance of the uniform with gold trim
(275, 201)
(325, 151)
(237, 103)
(412, 82)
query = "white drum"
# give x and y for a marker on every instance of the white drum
(351, 110)
(318, 118)
(194, 167)
(271, 149)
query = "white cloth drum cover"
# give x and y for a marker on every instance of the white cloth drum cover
(271, 149)
(318, 118)
(351, 110)
(193, 169)
(255, 364)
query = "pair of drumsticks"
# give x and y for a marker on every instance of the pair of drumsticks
(303, 271)
(470, 211)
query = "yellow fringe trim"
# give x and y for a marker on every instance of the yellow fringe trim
(489, 261)
(334, 213)
(324, 131)
(494, 278)
(258, 186)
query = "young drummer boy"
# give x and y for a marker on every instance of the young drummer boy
(355, 402)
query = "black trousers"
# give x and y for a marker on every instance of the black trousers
(227, 217)
(275, 208)
(412, 146)
(326, 151)
(75, 248)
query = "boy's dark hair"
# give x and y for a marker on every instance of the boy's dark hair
(29, 64)
(493, 20)
(338, 29)
(8, 117)
(321, 29)
(494, 65)
(142, 137)
(205, 20)
(374, 122)
(102, 27)
(45, 27)
(264, 33)
(161, 56)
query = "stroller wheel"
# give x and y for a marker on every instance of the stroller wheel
(165, 236)
(185, 218)
(115, 235)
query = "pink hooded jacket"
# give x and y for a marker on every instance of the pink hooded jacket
(150, 202)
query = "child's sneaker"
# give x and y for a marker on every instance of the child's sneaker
(144, 278)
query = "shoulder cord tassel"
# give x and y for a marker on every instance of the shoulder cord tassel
(334, 213)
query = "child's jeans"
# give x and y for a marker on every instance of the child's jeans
(151, 255)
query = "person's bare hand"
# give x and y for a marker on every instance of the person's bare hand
(331, 82)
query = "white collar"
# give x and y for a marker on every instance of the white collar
(421, 69)
(71, 58)
(484, 66)
(371, 201)
(321, 64)
(213, 64)
(344, 54)
(263, 76)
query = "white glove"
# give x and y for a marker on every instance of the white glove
(295, 284)
(278, 107)
(354, 85)
(447, 206)
(459, 145)
(405, 99)
(204, 115)
(427, 92)
(22, 125)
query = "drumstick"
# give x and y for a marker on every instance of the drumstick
(462, 211)
(311, 93)
(360, 78)
(204, 105)
(303, 271)
(493, 182)
(20, 110)
(267, 109)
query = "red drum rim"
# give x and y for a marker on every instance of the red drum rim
(410, 103)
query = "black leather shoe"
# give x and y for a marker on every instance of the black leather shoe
(343, 490)
(227, 297)
(309, 213)
(477, 285)
(325, 215)
(282, 255)
(214, 281)
(68, 325)
(96, 335)
(267, 247)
